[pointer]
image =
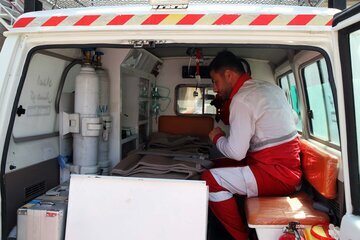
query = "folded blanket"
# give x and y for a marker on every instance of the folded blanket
(181, 143)
(182, 156)
(168, 156)
(157, 166)
(170, 175)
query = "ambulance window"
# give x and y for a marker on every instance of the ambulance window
(287, 83)
(355, 62)
(38, 97)
(194, 100)
(321, 113)
(353, 122)
(349, 48)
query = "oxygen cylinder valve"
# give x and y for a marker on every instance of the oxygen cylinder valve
(87, 55)
(98, 62)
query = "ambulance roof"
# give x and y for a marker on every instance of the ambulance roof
(195, 17)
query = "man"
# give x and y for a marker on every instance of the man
(262, 135)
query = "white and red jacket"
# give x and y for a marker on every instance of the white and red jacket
(262, 130)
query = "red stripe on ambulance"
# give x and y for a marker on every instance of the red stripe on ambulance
(226, 19)
(170, 19)
(23, 22)
(154, 19)
(120, 20)
(190, 19)
(54, 21)
(264, 19)
(86, 20)
(301, 19)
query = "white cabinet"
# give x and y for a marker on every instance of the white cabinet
(137, 79)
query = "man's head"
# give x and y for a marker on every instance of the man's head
(225, 70)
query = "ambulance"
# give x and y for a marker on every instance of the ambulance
(83, 90)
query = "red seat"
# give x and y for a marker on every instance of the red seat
(320, 170)
(282, 210)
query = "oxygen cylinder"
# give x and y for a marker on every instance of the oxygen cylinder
(103, 111)
(86, 104)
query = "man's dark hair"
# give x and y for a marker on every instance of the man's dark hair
(226, 60)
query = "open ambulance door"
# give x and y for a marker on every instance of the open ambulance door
(347, 25)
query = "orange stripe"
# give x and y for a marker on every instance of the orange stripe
(263, 19)
(120, 20)
(301, 19)
(54, 21)
(190, 19)
(23, 22)
(154, 19)
(226, 19)
(86, 20)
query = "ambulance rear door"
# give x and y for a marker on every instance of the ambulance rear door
(346, 26)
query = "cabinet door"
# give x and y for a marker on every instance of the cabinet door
(347, 24)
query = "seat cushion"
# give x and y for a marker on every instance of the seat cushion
(282, 210)
(320, 169)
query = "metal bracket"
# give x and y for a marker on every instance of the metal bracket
(146, 43)
(22, 212)
(180, 6)
(90, 127)
(70, 123)
(169, 4)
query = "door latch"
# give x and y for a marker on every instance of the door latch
(20, 111)
(310, 114)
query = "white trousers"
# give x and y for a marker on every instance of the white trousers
(237, 180)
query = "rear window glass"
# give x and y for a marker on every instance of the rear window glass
(192, 99)
(38, 97)
(287, 83)
(322, 114)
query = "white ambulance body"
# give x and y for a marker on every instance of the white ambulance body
(312, 55)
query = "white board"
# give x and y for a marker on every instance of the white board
(136, 208)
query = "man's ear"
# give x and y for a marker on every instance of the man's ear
(227, 74)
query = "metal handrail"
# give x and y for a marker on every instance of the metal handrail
(5, 24)
(17, 6)
(6, 10)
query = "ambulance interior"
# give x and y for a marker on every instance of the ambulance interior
(162, 91)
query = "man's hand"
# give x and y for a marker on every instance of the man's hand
(215, 134)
